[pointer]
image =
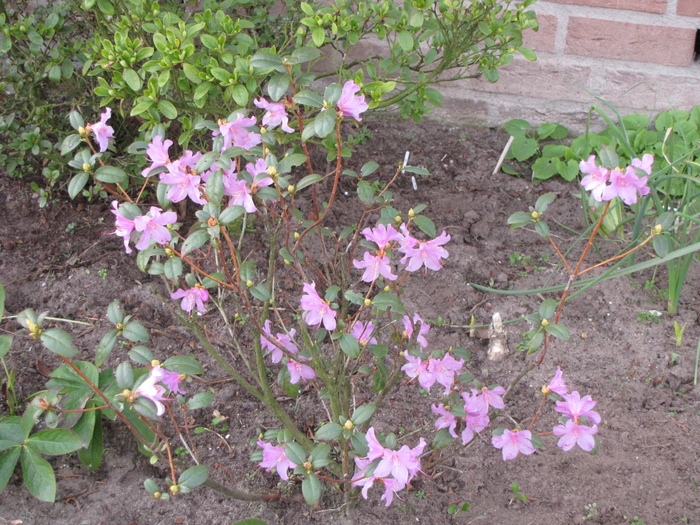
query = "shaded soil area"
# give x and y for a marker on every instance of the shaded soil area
(647, 470)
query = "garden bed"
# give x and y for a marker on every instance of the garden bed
(57, 259)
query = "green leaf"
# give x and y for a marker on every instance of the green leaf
(135, 332)
(200, 400)
(362, 414)
(2, 300)
(328, 431)
(125, 375)
(365, 191)
(54, 441)
(231, 213)
(426, 225)
(91, 456)
(59, 342)
(167, 109)
(115, 312)
(308, 98)
(77, 183)
(133, 79)
(542, 229)
(383, 301)
(324, 123)
(194, 476)
(38, 476)
(517, 127)
(251, 521)
(544, 168)
(173, 268)
(260, 292)
(519, 219)
(548, 307)
(142, 106)
(609, 158)
(308, 181)
(442, 439)
(141, 355)
(295, 452)
(528, 53)
(192, 73)
(195, 240)
(8, 461)
(406, 41)
(5, 344)
(523, 148)
(104, 347)
(278, 86)
(349, 345)
(108, 10)
(311, 489)
(544, 201)
(55, 73)
(184, 364)
(265, 59)
(318, 36)
(558, 330)
(240, 95)
(209, 41)
(111, 175)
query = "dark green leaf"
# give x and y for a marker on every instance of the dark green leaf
(517, 127)
(133, 79)
(54, 441)
(167, 109)
(324, 123)
(544, 201)
(70, 143)
(111, 175)
(547, 308)
(308, 181)
(125, 375)
(349, 345)
(194, 240)
(542, 229)
(8, 461)
(365, 191)
(558, 330)
(141, 355)
(59, 342)
(135, 332)
(426, 225)
(278, 86)
(194, 476)
(77, 183)
(362, 414)
(200, 400)
(38, 476)
(295, 453)
(328, 431)
(311, 489)
(523, 148)
(104, 347)
(383, 301)
(184, 364)
(308, 98)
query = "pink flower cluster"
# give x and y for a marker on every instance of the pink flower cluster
(441, 371)
(317, 310)
(297, 370)
(196, 296)
(152, 227)
(605, 184)
(150, 389)
(394, 468)
(476, 408)
(416, 253)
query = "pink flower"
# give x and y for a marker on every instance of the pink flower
(150, 390)
(477, 418)
(375, 265)
(382, 235)
(595, 179)
(158, 154)
(446, 419)
(408, 329)
(625, 184)
(400, 464)
(574, 434)
(391, 485)
(557, 384)
(644, 164)
(416, 367)
(183, 179)
(363, 333)
(276, 114)
(240, 192)
(153, 227)
(425, 253)
(316, 310)
(275, 457)
(350, 105)
(574, 407)
(102, 131)
(493, 397)
(124, 226)
(170, 379)
(283, 339)
(236, 134)
(443, 370)
(514, 443)
(190, 298)
(376, 450)
(298, 370)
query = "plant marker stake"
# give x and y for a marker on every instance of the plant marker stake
(413, 177)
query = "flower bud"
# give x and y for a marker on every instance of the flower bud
(272, 171)
(291, 188)
(368, 302)
(263, 130)
(349, 425)
(411, 213)
(296, 235)
(656, 230)
(155, 362)
(397, 219)
(307, 465)
(174, 489)
(86, 166)
(546, 390)
(34, 329)
(157, 495)
(544, 322)
(212, 222)
(249, 283)
(386, 288)
(535, 215)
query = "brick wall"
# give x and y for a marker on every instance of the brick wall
(639, 55)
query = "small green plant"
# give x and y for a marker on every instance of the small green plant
(457, 507)
(636, 520)
(517, 495)
(679, 331)
(420, 494)
(651, 316)
(591, 510)
(8, 384)
(103, 273)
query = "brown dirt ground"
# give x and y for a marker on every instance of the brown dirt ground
(648, 467)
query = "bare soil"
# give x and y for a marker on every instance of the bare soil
(647, 470)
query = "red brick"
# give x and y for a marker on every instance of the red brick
(688, 8)
(672, 46)
(543, 39)
(650, 6)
